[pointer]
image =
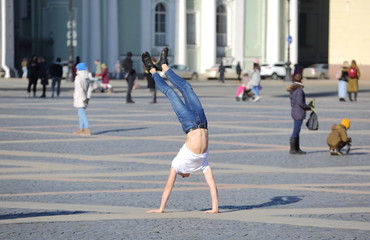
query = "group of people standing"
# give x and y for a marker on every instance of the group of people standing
(348, 81)
(35, 68)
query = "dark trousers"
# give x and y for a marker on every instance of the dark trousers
(297, 128)
(130, 84)
(32, 81)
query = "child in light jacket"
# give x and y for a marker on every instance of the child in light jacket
(81, 97)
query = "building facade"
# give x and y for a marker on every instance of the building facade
(199, 33)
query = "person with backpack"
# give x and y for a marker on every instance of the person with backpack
(338, 138)
(353, 77)
(298, 112)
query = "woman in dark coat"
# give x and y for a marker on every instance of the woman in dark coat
(299, 108)
(151, 82)
(33, 75)
(43, 74)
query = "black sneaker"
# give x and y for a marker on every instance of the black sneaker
(162, 59)
(147, 61)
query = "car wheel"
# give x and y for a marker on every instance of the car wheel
(194, 76)
(274, 76)
(322, 76)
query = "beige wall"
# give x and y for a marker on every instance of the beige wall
(349, 35)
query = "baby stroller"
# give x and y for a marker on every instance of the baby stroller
(244, 91)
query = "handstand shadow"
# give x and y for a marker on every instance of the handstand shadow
(39, 214)
(118, 130)
(276, 201)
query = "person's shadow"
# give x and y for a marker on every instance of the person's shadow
(118, 130)
(279, 200)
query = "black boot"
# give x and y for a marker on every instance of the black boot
(162, 59)
(298, 149)
(147, 61)
(350, 96)
(293, 146)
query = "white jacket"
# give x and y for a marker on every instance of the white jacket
(82, 90)
(255, 78)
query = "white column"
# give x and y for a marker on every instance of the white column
(146, 25)
(95, 31)
(7, 37)
(207, 34)
(180, 40)
(294, 31)
(273, 31)
(85, 38)
(111, 23)
(238, 30)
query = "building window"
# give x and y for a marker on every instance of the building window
(190, 29)
(221, 26)
(160, 25)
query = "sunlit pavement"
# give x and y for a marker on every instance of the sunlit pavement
(55, 185)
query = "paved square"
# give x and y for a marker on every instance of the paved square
(54, 185)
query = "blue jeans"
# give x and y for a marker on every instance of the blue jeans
(83, 119)
(255, 90)
(297, 128)
(55, 80)
(190, 111)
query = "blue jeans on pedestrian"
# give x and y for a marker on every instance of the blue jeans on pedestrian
(55, 80)
(255, 90)
(297, 128)
(190, 111)
(83, 119)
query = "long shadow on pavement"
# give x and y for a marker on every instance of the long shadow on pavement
(279, 200)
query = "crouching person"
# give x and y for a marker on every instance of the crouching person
(338, 138)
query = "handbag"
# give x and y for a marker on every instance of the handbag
(313, 121)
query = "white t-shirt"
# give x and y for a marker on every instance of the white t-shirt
(188, 162)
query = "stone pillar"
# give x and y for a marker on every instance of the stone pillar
(7, 37)
(95, 34)
(273, 32)
(294, 31)
(207, 35)
(238, 29)
(112, 36)
(180, 40)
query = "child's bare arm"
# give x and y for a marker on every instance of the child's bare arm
(166, 192)
(213, 190)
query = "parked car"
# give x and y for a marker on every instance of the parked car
(184, 71)
(273, 70)
(318, 70)
(230, 72)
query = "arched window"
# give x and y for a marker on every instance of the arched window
(221, 26)
(160, 25)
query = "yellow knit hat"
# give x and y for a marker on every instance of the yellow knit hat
(346, 122)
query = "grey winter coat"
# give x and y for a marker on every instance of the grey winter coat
(298, 101)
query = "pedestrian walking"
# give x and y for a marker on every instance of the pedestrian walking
(24, 67)
(130, 75)
(255, 81)
(33, 75)
(118, 69)
(238, 71)
(151, 82)
(98, 69)
(298, 113)
(56, 74)
(193, 156)
(342, 82)
(353, 77)
(106, 87)
(43, 74)
(81, 97)
(221, 71)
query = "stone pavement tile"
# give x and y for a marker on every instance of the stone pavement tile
(58, 186)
